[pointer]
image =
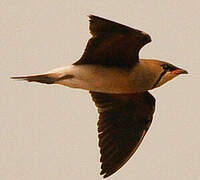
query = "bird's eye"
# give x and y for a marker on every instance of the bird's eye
(165, 66)
(169, 67)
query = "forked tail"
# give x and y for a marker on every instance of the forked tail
(43, 78)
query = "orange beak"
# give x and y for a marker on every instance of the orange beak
(179, 71)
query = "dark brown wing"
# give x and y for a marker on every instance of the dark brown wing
(123, 121)
(113, 44)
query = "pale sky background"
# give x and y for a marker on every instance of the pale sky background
(50, 132)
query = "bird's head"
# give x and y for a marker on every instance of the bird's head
(165, 72)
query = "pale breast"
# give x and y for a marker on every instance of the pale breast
(105, 79)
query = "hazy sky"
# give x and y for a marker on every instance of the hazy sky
(49, 132)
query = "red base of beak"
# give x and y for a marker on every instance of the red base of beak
(179, 71)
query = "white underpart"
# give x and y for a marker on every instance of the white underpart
(101, 79)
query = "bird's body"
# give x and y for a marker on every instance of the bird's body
(99, 79)
(114, 80)
(118, 81)
(106, 79)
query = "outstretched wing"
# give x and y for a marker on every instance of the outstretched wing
(123, 122)
(113, 44)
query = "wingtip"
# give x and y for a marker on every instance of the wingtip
(106, 174)
(91, 17)
(102, 172)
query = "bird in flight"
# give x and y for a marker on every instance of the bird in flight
(118, 81)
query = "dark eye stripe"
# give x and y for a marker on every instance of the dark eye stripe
(168, 67)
